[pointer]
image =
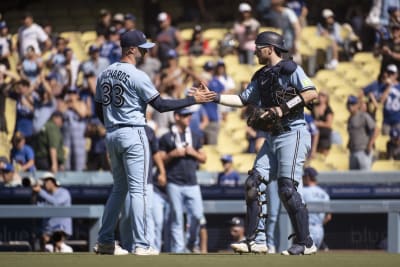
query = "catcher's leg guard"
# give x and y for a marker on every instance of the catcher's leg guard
(296, 209)
(254, 204)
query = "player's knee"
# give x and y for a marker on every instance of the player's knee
(286, 189)
(251, 186)
(289, 195)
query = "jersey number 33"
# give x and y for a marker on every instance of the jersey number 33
(113, 95)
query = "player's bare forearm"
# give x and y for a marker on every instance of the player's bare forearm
(53, 159)
(309, 96)
(199, 155)
(230, 100)
(159, 162)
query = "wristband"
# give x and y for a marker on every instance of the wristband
(291, 104)
(217, 98)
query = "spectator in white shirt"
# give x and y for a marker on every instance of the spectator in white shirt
(31, 34)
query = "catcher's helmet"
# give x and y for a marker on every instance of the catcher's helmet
(271, 38)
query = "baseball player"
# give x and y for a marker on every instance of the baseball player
(312, 192)
(122, 95)
(279, 90)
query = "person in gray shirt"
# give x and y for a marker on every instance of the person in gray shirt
(362, 134)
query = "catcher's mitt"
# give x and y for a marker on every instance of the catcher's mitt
(260, 120)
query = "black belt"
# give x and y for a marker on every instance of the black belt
(282, 130)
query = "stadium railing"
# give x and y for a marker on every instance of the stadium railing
(390, 207)
(75, 211)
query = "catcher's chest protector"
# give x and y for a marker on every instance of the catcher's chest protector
(272, 93)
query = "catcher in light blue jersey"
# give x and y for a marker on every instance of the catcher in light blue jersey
(278, 92)
(122, 95)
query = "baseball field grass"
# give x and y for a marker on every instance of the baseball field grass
(330, 259)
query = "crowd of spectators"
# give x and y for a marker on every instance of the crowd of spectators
(56, 126)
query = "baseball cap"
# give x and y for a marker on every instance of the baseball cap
(209, 65)
(395, 133)
(93, 48)
(183, 111)
(326, 13)
(244, 7)
(392, 68)
(8, 167)
(57, 113)
(118, 17)
(112, 30)
(3, 25)
(172, 54)
(220, 62)
(310, 171)
(135, 38)
(236, 221)
(130, 16)
(197, 28)
(103, 12)
(49, 175)
(163, 16)
(352, 99)
(227, 158)
(392, 9)
(73, 90)
(51, 76)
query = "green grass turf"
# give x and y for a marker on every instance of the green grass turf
(331, 259)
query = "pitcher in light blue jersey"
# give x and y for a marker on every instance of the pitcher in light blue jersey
(122, 95)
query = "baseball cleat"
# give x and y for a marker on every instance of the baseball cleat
(139, 251)
(109, 249)
(297, 249)
(271, 250)
(252, 247)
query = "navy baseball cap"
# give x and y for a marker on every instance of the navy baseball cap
(135, 38)
(93, 48)
(220, 62)
(352, 99)
(227, 158)
(183, 111)
(310, 171)
(394, 133)
(130, 16)
(172, 54)
(209, 65)
(236, 221)
(3, 25)
(392, 9)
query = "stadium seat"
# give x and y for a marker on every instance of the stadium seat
(364, 58)
(380, 143)
(213, 159)
(186, 34)
(243, 162)
(89, 37)
(11, 117)
(308, 32)
(272, 29)
(386, 165)
(214, 33)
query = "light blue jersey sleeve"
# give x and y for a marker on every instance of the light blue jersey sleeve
(300, 80)
(251, 94)
(145, 88)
